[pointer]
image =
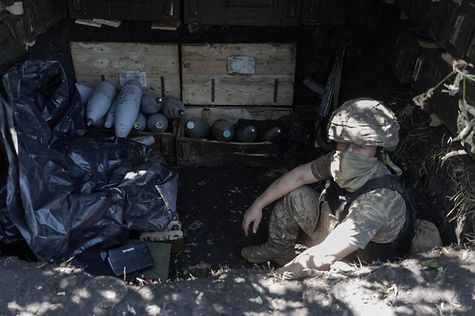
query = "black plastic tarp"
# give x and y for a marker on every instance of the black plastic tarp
(68, 190)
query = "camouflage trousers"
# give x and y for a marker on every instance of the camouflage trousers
(302, 210)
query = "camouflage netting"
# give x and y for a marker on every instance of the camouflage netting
(466, 126)
(442, 173)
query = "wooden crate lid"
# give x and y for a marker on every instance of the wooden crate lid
(238, 74)
(155, 65)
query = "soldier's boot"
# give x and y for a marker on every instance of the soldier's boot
(268, 252)
(279, 248)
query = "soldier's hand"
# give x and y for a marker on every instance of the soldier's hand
(306, 265)
(296, 273)
(252, 216)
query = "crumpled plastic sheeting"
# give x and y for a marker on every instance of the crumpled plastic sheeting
(8, 231)
(67, 190)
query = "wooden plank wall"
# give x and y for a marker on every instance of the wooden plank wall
(158, 63)
(206, 81)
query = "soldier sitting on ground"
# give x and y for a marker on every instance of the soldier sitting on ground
(358, 213)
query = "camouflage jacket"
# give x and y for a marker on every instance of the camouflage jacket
(376, 216)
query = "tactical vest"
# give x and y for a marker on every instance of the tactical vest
(339, 201)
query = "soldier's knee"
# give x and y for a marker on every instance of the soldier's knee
(299, 194)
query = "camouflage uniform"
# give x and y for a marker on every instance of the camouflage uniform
(377, 216)
(295, 211)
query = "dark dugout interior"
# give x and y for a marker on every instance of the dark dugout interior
(212, 200)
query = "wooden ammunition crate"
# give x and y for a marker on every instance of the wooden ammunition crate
(243, 12)
(165, 143)
(238, 74)
(11, 41)
(457, 33)
(315, 12)
(407, 51)
(151, 10)
(425, 74)
(156, 66)
(39, 15)
(429, 15)
(469, 6)
(209, 152)
(471, 50)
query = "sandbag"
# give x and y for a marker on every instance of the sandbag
(426, 237)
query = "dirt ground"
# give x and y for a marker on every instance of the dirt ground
(437, 283)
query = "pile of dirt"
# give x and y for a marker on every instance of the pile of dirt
(437, 283)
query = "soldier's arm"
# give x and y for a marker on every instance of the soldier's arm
(354, 232)
(319, 257)
(332, 249)
(292, 180)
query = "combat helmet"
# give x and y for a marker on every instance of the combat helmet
(364, 122)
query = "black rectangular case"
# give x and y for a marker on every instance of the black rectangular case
(130, 258)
